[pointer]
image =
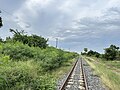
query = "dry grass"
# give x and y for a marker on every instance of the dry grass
(109, 78)
(64, 69)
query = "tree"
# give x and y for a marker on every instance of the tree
(93, 53)
(111, 52)
(1, 39)
(97, 54)
(90, 53)
(1, 22)
(37, 41)
(33, 40)
(85, 49)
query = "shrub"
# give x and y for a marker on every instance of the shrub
(17, 51)
(25, 75)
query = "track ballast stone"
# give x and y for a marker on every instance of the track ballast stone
(93, 81)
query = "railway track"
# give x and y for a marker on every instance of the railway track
(76, 79)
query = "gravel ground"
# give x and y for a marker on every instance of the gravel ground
(61, 81)
(93, 81)
(75, 79)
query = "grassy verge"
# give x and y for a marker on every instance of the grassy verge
(24, 74)
(65, 68)
(108, 76)
(32, 68)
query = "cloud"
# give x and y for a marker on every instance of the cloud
(52, 14)
(87, 22)
(94, 32)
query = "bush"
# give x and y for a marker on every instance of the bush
(17, 51)
(25, 76)
(53, 60)
(26, 63)
(24, 67)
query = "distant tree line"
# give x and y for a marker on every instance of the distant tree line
(90, 53)
(110, 53)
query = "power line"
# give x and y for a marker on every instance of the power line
(19, 20)
(6, 12)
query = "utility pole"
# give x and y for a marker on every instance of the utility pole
(56, 42)
(69, 49)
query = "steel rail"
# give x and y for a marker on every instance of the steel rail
(70, 73)
(68, 76)
(84, 76)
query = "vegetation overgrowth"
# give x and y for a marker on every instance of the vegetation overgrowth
(29, 66)
(108, 71)
(106, 65)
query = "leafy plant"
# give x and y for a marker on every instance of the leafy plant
(29, 68)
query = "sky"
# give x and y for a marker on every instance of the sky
(78, 24)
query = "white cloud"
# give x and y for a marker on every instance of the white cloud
(34, 5)
(63, 11)
(98, 30)
(57, 18)
(30, 10)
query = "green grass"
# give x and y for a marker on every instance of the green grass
(32, 68)
(115, 64)
(108, 76)
(64, 69)
(112, 65)
(30, 73)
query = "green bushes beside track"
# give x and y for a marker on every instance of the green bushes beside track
(28, 68)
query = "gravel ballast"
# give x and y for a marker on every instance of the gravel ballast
(93, 81)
